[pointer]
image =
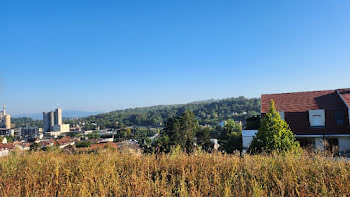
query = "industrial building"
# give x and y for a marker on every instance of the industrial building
(31, 132)
(53, 125)
(5, 120)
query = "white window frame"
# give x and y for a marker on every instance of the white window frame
(318, 112)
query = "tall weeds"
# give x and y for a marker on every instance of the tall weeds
(178, 174)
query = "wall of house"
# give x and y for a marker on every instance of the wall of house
(4, 153)
(319, 143)
(281, 113)
(300, 125)
(247, 138)
(344, 144)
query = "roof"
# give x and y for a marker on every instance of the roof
(47, 142)
(304, 101)
(7, 146)
(345, 94)
(11, 146)
(64, 140)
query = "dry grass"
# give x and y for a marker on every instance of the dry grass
(119, 174)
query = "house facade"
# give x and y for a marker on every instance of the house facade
(317, 118)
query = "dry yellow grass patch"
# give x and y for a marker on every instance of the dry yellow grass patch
(200, 174)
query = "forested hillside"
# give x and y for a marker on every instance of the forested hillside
(210, 112)
(26, 121)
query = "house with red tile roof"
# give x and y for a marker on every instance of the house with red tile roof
(5, 148)
(64, 141)
(44, 143)
(317, 118)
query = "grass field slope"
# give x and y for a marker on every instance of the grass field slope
(121, 174)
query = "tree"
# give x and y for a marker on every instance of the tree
(180, 131)
(162, 144)
(146, 145)
(127, 131)
(203, 139)
(274, 134)
(88, 127)
(34, 147)
(9, 139)
(94, 135)
(231, 136)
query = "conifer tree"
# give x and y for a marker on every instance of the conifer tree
(274, 134)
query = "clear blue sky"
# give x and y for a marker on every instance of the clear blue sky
(105, 55)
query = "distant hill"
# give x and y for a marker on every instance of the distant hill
(209, 112)
(65, 114)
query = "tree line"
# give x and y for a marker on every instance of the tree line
(183, 132)
(209, 113)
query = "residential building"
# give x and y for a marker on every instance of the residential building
(64, 141)
(317, 118)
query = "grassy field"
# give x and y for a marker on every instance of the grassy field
(120, 174)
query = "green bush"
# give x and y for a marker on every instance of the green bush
(83, 144)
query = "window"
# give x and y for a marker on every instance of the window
(339, 117)
(317, 118)
(306, 142)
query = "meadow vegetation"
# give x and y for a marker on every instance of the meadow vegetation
(112, 173)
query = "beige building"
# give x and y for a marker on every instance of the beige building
(5, 119)
(53, 125)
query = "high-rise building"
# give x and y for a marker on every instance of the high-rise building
(58, 116)
(52, 119)
(5, 119)
(46, 120)
(53, 122)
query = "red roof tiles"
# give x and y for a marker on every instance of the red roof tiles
(303, 101)
(47, 142)
(64, 140)
(7, 146)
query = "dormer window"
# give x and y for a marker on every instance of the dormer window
(339, 117)
(317, 118)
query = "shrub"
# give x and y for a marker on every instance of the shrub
(83, 144)
(34, 147)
